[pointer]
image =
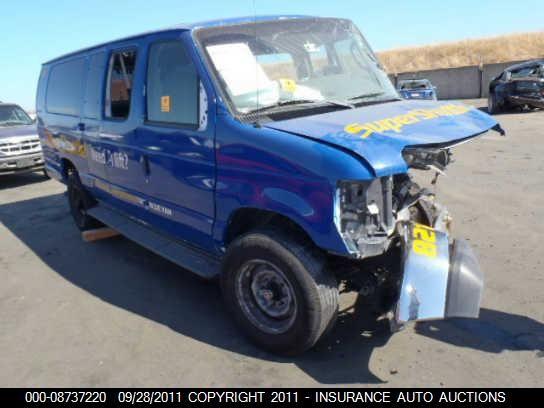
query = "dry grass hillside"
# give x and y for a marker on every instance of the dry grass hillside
(505, 48)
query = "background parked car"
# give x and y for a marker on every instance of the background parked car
(417, 89)
(20, 149)
(519, 85)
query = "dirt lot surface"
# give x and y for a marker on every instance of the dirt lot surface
(111, 313)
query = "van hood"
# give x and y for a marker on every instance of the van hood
(379, 133)
(23, 130)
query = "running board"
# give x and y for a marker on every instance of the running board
(193, 259)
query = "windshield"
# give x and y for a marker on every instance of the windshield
(282, 62)
(12, 115)
(421, 84)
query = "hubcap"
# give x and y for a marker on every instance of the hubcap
(266, 296)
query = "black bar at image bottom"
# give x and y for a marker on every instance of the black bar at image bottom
(255, 396)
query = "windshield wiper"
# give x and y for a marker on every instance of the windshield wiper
(372, 101)
(365, 96)
(339, 103)
(302, 102)
(280, 104)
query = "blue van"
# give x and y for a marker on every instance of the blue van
(272, 153)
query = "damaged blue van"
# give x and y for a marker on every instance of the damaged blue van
(274, 154)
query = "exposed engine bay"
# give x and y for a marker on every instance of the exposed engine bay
(368, 211)
(375, 219)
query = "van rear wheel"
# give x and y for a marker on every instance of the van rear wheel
(80, 201)
(278, 291)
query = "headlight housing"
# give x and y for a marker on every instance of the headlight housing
(364, 216)
(424, 158)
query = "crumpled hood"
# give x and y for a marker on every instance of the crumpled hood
(379, 133)
(23, 130)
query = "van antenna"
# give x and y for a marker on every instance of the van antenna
(255, 35)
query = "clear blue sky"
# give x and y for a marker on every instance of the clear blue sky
(34, 31)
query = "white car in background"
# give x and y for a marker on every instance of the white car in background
(20, 149)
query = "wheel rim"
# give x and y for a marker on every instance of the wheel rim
(266, 296)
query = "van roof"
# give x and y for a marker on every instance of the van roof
(189, 27)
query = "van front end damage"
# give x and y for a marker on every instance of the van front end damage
(398, 253)
(423, 273)
(405, 261)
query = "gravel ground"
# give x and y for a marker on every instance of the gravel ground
(111, 313)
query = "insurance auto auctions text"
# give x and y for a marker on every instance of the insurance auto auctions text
(341, 396)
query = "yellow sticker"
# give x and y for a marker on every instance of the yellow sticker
(165, 103)
(424, 242)
(288, 85)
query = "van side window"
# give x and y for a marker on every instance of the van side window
(172, 85)
(94, 86)
(65, 89)
(120, 74)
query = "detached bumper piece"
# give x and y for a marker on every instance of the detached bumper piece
(439, 280)
(466, 282)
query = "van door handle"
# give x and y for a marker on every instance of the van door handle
(145, 164)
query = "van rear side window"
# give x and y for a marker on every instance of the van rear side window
(94, 86)
(65, 87)
(172, 85)
(120, 74)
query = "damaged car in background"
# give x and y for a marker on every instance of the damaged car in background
(519, 86)
(274, 153)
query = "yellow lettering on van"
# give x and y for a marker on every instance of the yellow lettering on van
(396, 123)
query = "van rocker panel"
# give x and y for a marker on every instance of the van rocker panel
(197, 261)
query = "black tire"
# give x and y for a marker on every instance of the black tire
(299, 279)
(492, 105)
(80, 201)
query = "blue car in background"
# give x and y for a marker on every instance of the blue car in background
(417, 89)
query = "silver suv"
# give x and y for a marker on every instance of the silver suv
(20, 149)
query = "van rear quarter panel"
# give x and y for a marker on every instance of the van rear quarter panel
(262, 168)
(60, 135)
(50, 153)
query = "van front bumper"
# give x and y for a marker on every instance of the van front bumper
(439, 280)
(21, 163)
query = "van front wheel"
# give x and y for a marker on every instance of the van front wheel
(278, 291)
